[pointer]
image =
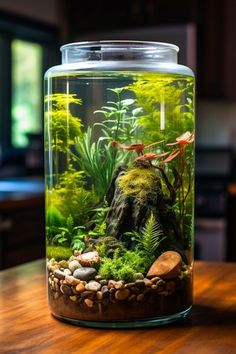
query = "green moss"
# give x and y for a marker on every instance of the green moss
(124, 265)
(58, 252)
(139, 183)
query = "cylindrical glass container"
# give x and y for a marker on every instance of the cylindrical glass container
(119, 142)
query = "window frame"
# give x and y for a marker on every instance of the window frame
(15, 27)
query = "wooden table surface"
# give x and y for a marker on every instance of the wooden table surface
(26, 325)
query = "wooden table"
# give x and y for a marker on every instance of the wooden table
(26, 325)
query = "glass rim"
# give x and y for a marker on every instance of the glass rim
(118, 44)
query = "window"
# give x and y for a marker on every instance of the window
(27, 49)
(26, 104)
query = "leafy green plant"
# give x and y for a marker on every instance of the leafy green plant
(120, 123)
(54, 220)
(97, 160)
(70, 235)
(62, 127)
(124, 264)
(71, 197)
(149, 239)
(167, 105)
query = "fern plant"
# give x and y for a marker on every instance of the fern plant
(150, 238)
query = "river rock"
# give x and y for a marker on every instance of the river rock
(93, 286)
(85, 273)
(89, 259)
(73, 265)
(167, 266)
(59, 274)
(65, 289)
(122, 294)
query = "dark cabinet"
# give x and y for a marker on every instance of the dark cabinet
(21, 230)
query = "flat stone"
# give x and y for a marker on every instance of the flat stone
(167, 266)
(73, 265)
(93, 286)
(122, 294)
(59, 274)
(89, 259)
(66, 290)
(85, 273)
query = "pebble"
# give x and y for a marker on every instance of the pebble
(134, 290)
(71, 280)
(132, 298)
(122, 294)
(63, 264)
(147, 282)
(88, 302)
(154, 286)
(99, 295)
(155, 279)
(138, 276)
(73, 265)
(160, 282)
(167, 266)
(112, 290)
(88, 294)
(67, 271)
(80, 288)
(103, 282)
(85, 273)
(59, 274)
(56, 280)
(139, 283)
(66, 290)
(140, 297)
(88, 259)
(93, 286)
(111, 284)
(98, 277)
(73, 298)
(119, 284)
(129, 285)
(105, 291)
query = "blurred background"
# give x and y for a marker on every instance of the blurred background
(30, 36)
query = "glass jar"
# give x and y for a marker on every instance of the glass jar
(119, 142)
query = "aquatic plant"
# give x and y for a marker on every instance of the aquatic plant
(54, 220)
(71, 197)
(58, 252)
(166, 105)
(124, 265)
(61, 126)
(97, 160)
(120, 121)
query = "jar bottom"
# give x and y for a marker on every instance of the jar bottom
(152, 322)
